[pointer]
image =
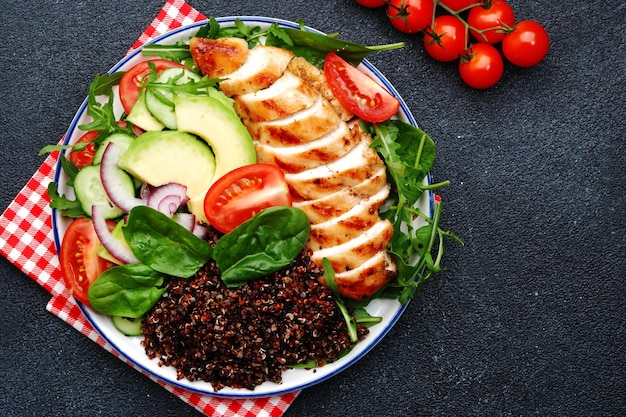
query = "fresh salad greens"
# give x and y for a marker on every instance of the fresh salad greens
(309, 45)
(409, 154)
(257, 247)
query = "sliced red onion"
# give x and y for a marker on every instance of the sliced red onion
(187, 220)
(200, 230)
(118, 250)
(118, 195)
(168, 198)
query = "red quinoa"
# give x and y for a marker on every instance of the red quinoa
(242, 337)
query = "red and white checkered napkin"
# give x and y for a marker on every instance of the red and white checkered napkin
(26, 240)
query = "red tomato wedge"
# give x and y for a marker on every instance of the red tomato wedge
(359, 93)
(80, 264)
(84, 156)
(129, 83)
(242, 193)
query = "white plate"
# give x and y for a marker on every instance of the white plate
(130, 348)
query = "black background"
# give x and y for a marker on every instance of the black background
(527, 320)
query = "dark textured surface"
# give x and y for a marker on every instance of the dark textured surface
(528, 319)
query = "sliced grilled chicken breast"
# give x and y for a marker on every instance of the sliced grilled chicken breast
(263, 66)
(218, 57)
(287, 95)
(340, 229)
(335, 204)
(304, 126)
(333, 175)
(364, 281)
(356, 166)
(297, 158)
(315, 77)
(247, 70)
(356, 251)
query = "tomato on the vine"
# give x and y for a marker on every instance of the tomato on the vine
(491, 20)
(242, 193)
(84, 149)
(129, 83)
(527, 44)
(447, 39)
(482, 67)
(372, 4)
(80, 263)
(410, 16)
(359, 93)
(457, 5)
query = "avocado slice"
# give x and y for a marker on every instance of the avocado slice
(161, 157)
(210, 119)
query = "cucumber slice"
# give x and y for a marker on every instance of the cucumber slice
(140, 116)
(90, 191)
(121, 139)
(126, 325)
(160, 101)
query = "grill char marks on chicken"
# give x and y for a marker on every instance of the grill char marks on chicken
(332, 172)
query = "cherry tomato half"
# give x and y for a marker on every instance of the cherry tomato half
(482, 67)
(527, 44)
(446, 40)
(492, 18)
(129, 83)
(80, 264)
(242, 193)
(359, 93)
(410, 16)
(84, 156)
(372, 4)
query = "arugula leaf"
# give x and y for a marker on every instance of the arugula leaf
(69, 208)
(105, 83)
(266, 243)
(102, 114)
(409, 154)
(177, 52)
(329, 277)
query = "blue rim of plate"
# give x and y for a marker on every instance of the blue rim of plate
(371, 343)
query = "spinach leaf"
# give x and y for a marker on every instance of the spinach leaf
(128, 290)
(164, 245)
(350, 51)
(310, 45)
(266, 243)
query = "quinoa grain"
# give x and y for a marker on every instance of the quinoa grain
(242, 337)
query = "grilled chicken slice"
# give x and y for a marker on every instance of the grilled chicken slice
(218, 57)
(265, 64)
(287, 95)
(363, 281)
(348, 225)
(335, 204)
(260, 68)
(303, 126)
(315, 77)
(356, 251)
(356, 166)
(297, 158)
